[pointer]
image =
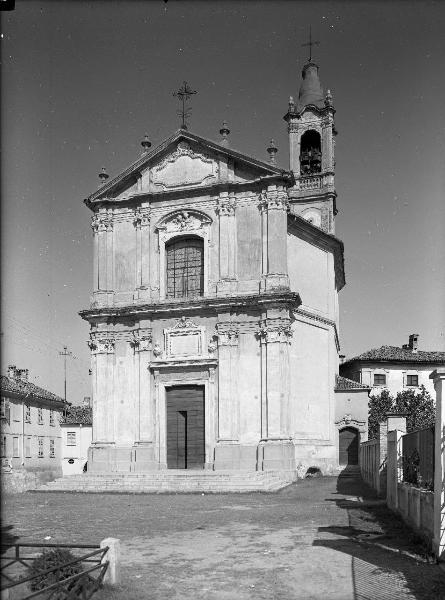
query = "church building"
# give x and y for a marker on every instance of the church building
(214, 313)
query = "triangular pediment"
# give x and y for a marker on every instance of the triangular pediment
(184, 161)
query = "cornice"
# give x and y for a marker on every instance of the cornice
(291, 299)
(211, 189)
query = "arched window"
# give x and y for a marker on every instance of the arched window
(310, 153)
(185, 267)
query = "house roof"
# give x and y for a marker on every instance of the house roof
(26, 389)
(396, 354)
(343, 383)
(78, 415)
(142, 161)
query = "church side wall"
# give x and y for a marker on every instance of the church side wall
(310, 274)
(312, 376)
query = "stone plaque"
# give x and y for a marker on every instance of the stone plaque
(185, 344)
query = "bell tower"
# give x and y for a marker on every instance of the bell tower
(310, 123)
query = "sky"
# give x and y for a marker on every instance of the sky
(82, 82)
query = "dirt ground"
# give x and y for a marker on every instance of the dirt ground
(319, 539)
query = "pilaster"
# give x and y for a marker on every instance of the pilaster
(227, 244)
(275, 337)
(228, 399)
(102, 355)
(141, 221)
(274, 206)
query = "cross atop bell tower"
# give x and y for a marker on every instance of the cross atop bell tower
(311, 129)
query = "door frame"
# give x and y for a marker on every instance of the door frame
(357, 433)
(161, 417)
(177, 409)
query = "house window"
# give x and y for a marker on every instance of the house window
(185, 267)
(379, 379)
(70, 438)
(412, 380)
(52, 449)
(3, 413)
(27, 413)
(40, 447)
(28, 447)
(15, 447)
(51, 418)
(3, 446)
(40, 415)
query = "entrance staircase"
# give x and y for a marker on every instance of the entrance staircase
(173, 481)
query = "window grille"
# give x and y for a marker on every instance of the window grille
(40, 415)
(70, 438)
(379, 379)
(27, 414)
(412, 380)
(185, 268)
(40, 447)
(52, 449)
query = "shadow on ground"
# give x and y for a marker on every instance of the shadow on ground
(379, 542)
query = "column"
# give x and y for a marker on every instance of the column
(228, 401)
(227, 244)
(275, 206)
(438, 377)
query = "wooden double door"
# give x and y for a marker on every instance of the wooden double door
(185, 427)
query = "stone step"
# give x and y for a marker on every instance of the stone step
(172, 481)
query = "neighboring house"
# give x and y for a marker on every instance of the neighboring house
(30, 433)
(216, 281)
(394, 368)
(76, 425)
(351, 418)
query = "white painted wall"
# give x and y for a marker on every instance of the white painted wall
(78, 452)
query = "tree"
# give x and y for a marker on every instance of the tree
(417, 404)
(378, 406)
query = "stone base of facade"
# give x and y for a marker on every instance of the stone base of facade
(268, 455)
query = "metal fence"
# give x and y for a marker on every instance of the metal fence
(17, 583)
(418, 457)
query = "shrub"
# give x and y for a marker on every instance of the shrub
(48, 560)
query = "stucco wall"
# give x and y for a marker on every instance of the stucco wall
(395, 376)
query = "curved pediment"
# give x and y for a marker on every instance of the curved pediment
(186, 221)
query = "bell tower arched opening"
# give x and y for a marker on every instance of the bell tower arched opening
(310, 153)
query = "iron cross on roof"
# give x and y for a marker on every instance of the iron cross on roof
(184, 94)
(310, 43)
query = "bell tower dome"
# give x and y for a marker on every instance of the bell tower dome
(310, 124)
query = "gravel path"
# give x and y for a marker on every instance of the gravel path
(324, 538)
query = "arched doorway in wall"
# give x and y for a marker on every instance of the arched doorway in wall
(348, 444)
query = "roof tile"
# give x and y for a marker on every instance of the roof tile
(396, 354)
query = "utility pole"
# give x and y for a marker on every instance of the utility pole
(65, 353)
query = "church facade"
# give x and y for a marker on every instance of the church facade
(214, 313)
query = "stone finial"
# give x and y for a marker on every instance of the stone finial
(103, 176)
(328, 98)
(224, 131)
(145, 144)
(291, 104)
(272, 150)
